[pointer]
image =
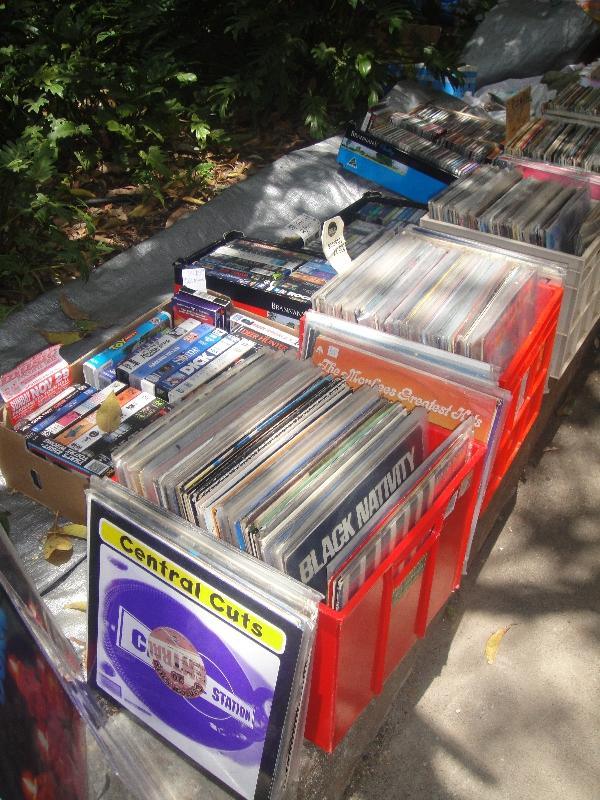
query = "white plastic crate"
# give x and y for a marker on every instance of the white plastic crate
(581, 300)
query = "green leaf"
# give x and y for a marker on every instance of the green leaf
(35, 105)
(62, 128)
(126, 131)
(186, 77)
(200, 129)
(321, 53)
(104, 35)
(155, 159)
(363, 64)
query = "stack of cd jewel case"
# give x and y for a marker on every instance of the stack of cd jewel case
(476, 138)
(291, 466)
(576, 102)
(502, 202)
(568, 144)
(467, 300)
(412, 144)
(204, 645)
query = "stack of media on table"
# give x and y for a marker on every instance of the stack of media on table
(264, 277)
(373, 215)
(553, 217)
(278, 282)
(563, 142)
(419, 153)
(273, 482)
(576, 102)
(336, 488)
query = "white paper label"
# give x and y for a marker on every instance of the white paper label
(194, 278)
(334, 245)
(303, 226)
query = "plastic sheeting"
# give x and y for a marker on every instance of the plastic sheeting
(518, 39)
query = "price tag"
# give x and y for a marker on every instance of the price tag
(518, 112)
(334, 245)
(303, 227)
(194, 278)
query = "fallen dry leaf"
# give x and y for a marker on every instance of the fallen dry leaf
(77, 605)
(56, 544)
(108, 415)
(179, 213)
(62, 337)
(141, 211)
(86, 325)
(72, 529)
(85, 193)
(195, 201)
(70, 309)
(493, 643)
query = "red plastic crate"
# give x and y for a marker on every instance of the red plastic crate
(525, 378)
(358, 647)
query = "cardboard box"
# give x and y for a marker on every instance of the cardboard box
(46, 482)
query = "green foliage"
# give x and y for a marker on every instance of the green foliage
(83, 83)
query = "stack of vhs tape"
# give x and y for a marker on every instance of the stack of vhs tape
(476, 303)
(503, 202)
(67, 432)
(151, 373)
(266, 278)
(568, 144)
(476, 138)
(205, 646)
(293, 467)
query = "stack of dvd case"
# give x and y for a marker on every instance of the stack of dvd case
(365, 221)
(205, 646)
(569, 144)
(503, 202)
(439, 292)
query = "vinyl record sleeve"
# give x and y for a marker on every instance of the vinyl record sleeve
(211, 667)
